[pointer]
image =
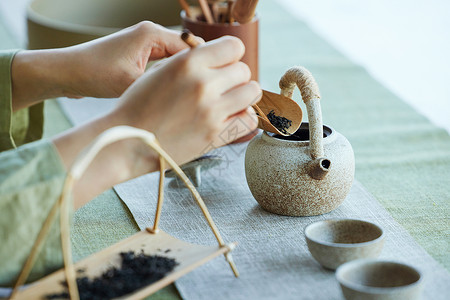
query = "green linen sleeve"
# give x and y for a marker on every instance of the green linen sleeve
(31, 180)
(6, 139)
(20, 127)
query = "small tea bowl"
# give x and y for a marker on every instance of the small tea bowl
(334, 242)
(370, 279)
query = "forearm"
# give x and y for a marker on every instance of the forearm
(116, 163)
(38, 75)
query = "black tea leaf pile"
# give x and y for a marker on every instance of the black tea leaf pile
(281, 123)
(136, 271)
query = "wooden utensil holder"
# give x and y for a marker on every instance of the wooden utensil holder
(248, 33)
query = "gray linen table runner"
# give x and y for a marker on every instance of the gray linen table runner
(272, 255)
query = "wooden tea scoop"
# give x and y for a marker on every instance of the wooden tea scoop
(206, 11)
(185, 7)
(215, 9)
(189, 38)
(244, 10)
(263, 120)
(279, 105)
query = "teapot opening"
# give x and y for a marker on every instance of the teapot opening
(325, 163)
(302, 134)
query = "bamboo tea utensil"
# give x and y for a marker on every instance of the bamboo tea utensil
(189, 38)
(229, 15)
(244, 10)
(185, 7)
(263, 120)
(214, 8)
(217, 11)
(281, 106)
(206, 11)
(188, 256)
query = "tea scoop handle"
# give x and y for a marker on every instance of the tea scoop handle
(309, 90)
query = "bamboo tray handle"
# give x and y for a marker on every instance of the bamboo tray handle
(78, 168)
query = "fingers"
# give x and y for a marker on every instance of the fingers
(159, 64)
(160, 41)
(238, 126)
(219, 52)
(169, 43)
(166, 42)
(228, 77)
(240, 98)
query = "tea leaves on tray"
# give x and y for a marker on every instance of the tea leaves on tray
(136, 271)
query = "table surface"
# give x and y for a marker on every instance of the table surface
(401, 158)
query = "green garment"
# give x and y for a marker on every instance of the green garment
(31, 179)
(14, 127)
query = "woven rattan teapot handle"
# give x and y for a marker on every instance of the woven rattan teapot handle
(303, 79)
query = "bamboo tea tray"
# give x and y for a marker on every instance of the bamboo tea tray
(151, 241)
(189, 257)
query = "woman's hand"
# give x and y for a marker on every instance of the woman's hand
(105, 67)
(102, 68)
(196, 100)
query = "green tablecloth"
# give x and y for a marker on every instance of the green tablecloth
(401, 158)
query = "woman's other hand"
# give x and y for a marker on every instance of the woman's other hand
(106, 67)
(102, 68)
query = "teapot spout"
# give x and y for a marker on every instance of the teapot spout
(319, 168)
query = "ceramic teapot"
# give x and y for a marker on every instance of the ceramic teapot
(308, 173)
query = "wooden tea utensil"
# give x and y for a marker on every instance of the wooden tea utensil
(244, 10)
(281, 106)
(189, 38)
(206, 11)
(185, 6)
(229, 15)
(215, 9)
(188, 256)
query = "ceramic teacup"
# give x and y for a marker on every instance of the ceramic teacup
(370, 279)
(334, 242)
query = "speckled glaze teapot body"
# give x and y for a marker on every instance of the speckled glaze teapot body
(308, 174)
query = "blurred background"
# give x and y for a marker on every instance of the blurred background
(404, 44)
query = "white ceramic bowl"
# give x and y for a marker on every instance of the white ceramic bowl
(334, 242)
(61, 23)
(369, 279)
